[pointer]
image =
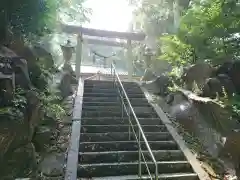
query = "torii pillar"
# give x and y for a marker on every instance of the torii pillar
(78, 55)
(129, 59)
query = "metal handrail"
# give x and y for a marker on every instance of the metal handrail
(140, 131)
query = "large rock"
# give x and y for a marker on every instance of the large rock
(220, 85)
(231, 69)
(17, 129)
(13, 65)
(52, 166)
(159, 86)
(188, 116)
(6, 90)
(20, 162)
(42, 138)
(13, 131)
(34, 113)
(231, 149)
(197, 73)
(212, 88)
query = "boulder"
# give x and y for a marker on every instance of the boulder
(227, 83)
(159, 86)
(232, 70)
(212, 88)
(185, 113)
(42, 138)
(20, 162)
(16, 66)
(6, 90)
(34, 113)
(231, 149)
(197, 73)
(13, 131)
(52, 166)
(220, 85)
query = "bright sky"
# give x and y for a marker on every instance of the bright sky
(112, 15)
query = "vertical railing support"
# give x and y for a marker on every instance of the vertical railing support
(139, 155)
(122, 103)
(78, 55)
(129, 121)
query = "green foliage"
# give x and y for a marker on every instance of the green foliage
(207, 31)
(74, 11)
(27, 16)
(233, 104)
(175, 51)
(156, 17)
(20, 100)
(51, 104)
(16, 111)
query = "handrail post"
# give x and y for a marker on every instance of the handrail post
(129, 125)
(156, 172)
(122, 103)
(139, 155)
(111, 69)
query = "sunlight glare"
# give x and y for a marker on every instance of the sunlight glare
(112, 15)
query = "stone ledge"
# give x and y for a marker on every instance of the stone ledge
(72, 157)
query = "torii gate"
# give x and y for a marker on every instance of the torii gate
(80, 31)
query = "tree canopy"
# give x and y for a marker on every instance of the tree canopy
(26, 16)
(208, 29)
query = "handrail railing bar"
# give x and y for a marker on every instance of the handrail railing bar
(139, 140)
(139, 127)
(141, 154)
(135, 117)
(134, 132)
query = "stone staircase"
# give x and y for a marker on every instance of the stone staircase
(108, 151)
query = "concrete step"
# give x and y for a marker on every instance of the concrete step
(125, 146)
(113, 94)
(146, 109)
(120, 128)
(133, 101)
(118, 121)
(131, 168)
(129, 156)
(128, 89)
(123, 136)
(117, 114)
(111, 86)
(171, 176)
(109, 83)
(113, 103)
(88, 89)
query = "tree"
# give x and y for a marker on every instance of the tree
(27, 16)
(74, 11)
(209, 29)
